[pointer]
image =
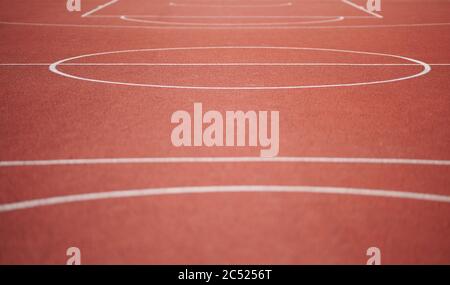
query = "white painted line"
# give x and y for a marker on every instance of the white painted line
(426, 68)
(292, 159)
(24, 64)
(362, 8)
(99, 8)
(230, 17)
(134, 193)
(174, 4)
(95, 26)
(319, 64)
(158, 22)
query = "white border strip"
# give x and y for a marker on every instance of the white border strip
(157, 160)
(362, 8)
(99, 8)
(133, 193)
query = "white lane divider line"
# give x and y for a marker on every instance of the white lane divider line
(362, 8)
(98, 8)
(175, 4)
(244, 159)
(134, 193)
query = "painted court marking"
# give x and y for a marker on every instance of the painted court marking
(176, 4)
(200, 5)
(318, 64)
(99, 8)
(90, 14)
(317, 21)
(230, 16)
(327, 19)
(407, 25)
(361, 8)
(311, 20)
(57, 200)
(54, 68)
(242, 159)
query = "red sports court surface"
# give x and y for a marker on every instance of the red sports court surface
(86, 158)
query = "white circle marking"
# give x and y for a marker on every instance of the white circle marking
(54, 68)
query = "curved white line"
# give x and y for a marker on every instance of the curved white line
(157, 160)
(426, 68)
(215, 28)
(332, 19)
(56, 200)
(174, 4)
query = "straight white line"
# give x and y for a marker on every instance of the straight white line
(99, 8)
(24, 64)
(362, 8)
(441, 64)
(134, 193)
(225, 64)
(174, 4)
(157, 160)
(222, 28)
(228, 17)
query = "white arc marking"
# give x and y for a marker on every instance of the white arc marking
(156, 160)
(56, 200)
(95, 26)
(316, 21)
